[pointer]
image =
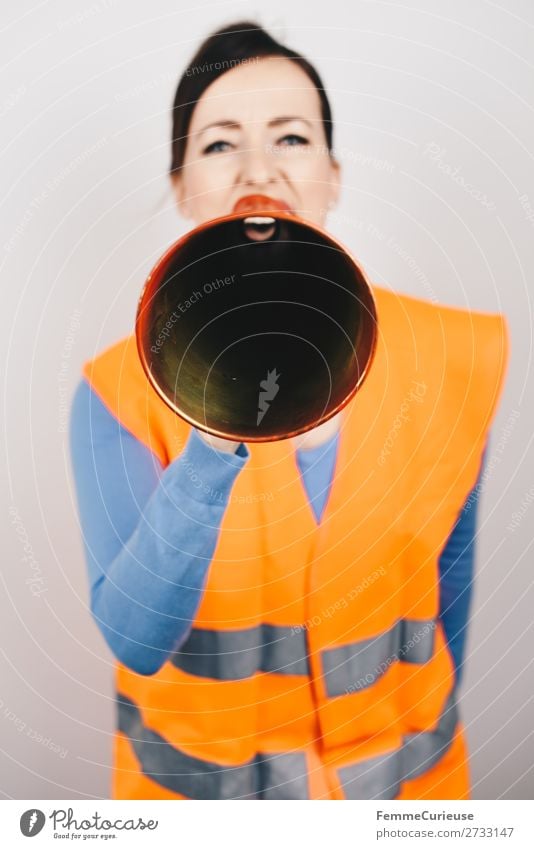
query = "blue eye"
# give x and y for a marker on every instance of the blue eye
(299, 139)
(211, 147)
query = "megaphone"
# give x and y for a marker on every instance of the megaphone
(256, 326)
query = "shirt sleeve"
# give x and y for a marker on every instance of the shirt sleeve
(456, 568)
(149, 533)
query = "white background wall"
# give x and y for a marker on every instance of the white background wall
(433, 108)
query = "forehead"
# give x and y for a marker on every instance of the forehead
(257, 91)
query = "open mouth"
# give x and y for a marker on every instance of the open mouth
(259, 227)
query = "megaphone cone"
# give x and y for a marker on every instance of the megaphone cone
(256, 326)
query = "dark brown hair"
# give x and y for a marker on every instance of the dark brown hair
(221, 51)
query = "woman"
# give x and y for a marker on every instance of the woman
(288, 618)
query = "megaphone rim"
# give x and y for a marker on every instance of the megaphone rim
(156, 275)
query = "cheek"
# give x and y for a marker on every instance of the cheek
(313, 186)
(206, 185)
(205, 175)
(311, 170)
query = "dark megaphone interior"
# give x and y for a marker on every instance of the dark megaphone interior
(256, 328)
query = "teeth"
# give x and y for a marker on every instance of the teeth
(259, 219)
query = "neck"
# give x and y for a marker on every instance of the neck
(315, 437)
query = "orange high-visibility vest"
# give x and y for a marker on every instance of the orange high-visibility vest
(317, 665)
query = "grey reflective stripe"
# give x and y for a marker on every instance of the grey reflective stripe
(232, 655)
(382, 777)
(283, 776)
(358, 665)
(266, 776)
(422, 750)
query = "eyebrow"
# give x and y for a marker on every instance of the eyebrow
(283, 119)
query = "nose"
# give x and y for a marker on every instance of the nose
(258, 167)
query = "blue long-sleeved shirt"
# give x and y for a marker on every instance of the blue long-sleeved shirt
(150, 533)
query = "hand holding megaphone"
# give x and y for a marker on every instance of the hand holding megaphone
(217, 442)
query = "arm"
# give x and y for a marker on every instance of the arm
(456, 576)
(149, 534)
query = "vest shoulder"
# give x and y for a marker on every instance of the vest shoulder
(434, 322)
(461, 352)
(118, 378)
(119, 360)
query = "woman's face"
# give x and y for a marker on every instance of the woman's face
(257, 129)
